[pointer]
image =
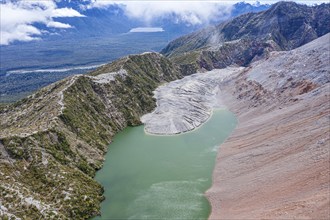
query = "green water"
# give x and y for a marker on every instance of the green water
(162, 177)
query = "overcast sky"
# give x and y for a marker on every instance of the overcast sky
(18, 18)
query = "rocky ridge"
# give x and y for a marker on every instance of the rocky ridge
(52, 142)
(247, 38)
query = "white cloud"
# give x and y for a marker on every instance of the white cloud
(146, 29)
(190, 12)
(22, 32)
(66, 12)
(55, 24)
(307, 2)
(17, 19)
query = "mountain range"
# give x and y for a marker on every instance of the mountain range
(250, 37)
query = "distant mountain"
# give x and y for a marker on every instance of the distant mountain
(243, 7)
(284, 26)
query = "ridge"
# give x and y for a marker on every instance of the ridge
(52, 142)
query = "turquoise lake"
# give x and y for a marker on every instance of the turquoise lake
(162, 177)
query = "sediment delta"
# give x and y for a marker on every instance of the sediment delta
(185, 104)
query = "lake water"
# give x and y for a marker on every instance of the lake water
(162, 177)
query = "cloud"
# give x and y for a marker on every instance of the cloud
(307, 2)
(146, 29)
(21, 32)
(55, 24)
(189, 12)
(18, 19)
(65, 12)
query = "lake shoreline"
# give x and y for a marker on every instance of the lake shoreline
(166, 176)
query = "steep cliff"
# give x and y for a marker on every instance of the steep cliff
(52, 142)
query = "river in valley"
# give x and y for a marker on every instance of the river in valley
(162, 177)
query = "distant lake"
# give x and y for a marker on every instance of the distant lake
(162, 177)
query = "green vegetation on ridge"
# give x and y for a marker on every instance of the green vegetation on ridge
(48, 161)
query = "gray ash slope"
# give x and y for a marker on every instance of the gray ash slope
(280, 147)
